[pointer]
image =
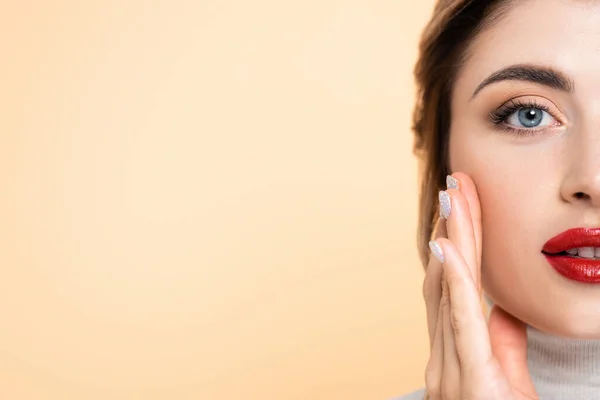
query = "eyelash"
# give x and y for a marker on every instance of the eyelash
(499, 115)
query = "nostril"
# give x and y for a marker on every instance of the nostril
(579, 195)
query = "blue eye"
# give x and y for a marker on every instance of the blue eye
(521, 115)
(530, 117)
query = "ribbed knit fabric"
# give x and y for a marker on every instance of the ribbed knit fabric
(561, 368)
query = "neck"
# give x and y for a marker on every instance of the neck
(562, 368)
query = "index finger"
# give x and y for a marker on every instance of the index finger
(470, 327)
(432, 285)
(469, 191)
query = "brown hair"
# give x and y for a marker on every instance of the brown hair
(442, 49)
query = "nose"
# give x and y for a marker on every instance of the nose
(581, 184)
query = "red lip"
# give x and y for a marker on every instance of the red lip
(573, 267)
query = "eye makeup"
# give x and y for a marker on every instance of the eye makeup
(500, 116)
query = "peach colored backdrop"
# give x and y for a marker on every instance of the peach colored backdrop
(209, 200)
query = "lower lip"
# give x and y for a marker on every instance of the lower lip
(577, 269)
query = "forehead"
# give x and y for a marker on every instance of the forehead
(563, 34)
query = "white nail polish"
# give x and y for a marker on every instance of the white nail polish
(445, 204)
(451, 182)
(436, 250)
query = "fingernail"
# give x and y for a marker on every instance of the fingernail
(436, 250)
(451, 182)
(445, 204)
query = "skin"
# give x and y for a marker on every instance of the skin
(527, 184)
(471, 358)
(517, 189)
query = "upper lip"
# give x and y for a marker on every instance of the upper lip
(573, 238)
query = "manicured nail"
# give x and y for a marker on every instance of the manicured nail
(451, 182)
(445, 204)
(436, 250)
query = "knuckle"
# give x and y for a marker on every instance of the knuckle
(454, 280)
(445, 303)
(429, 372)
(457, 321)
(433, 393)
(432, 382)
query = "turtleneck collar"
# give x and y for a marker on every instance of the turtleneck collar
(562, 368)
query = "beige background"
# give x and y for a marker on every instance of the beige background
(209, 200)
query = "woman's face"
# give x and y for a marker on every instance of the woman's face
(530, 139)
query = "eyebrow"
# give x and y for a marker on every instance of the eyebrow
(529, 73)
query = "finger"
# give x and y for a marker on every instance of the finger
(454, 206)
(466, 316)
(432, 285)
(435, 365)
(439, 230)
(451, 369)
(508, 338)
(468, 189)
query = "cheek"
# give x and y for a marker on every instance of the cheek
(513, 182)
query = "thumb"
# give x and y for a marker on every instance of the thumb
(508, 338)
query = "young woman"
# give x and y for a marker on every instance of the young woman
(507, 129)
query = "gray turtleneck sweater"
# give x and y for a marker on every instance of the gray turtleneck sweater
(561, 368)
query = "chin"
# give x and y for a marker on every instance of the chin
(571, 317)
(575, 324)
(545, 300)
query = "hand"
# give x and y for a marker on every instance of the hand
(470, 359)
